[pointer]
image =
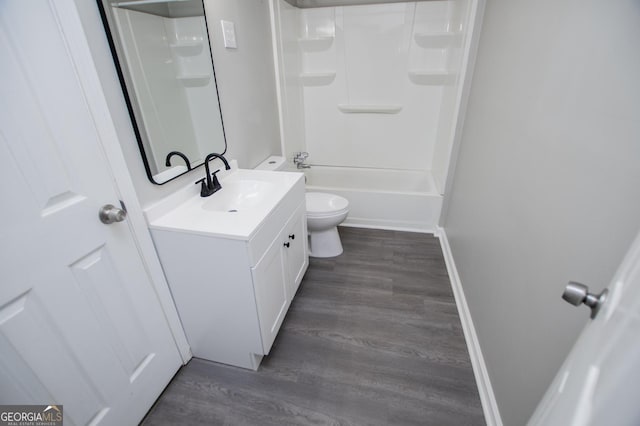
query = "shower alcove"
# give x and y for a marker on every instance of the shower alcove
(374, 93)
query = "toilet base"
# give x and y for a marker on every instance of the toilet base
(325, 243)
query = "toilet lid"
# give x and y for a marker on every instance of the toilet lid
(322, 203)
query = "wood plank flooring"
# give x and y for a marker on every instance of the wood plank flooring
(372, 338)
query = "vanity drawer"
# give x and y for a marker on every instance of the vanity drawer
(272, 225)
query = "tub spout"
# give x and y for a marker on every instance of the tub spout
(299, 159)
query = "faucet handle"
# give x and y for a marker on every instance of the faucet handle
(203, 187)
(214, 181)
(300, 156)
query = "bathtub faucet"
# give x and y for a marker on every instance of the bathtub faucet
(299, 159)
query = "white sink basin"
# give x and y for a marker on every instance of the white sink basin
(236, 211)
(239, 195)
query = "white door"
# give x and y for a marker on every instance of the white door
(599, 382)
(80, 324)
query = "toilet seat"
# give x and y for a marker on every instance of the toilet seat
(320, 204)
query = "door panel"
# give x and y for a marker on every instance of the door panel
(29, 329)
(97, 280)
(80, 323)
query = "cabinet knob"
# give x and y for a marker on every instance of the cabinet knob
(287, 244)
(292, 236)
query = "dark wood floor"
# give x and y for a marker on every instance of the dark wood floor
(372, 338)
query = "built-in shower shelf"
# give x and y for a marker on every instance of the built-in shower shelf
(438, 39)
(317, 78)
(191, 80)
(187, 47)
(432, 78)
(370, 108)
(315, 44)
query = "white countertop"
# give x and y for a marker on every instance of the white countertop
(185, 210)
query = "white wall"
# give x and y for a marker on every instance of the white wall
(246, 84)
(246, 79)
(547, 184)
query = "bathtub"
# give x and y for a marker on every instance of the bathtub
(404, 200)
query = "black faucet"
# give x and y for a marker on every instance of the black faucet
(210, 184)
(179, 154)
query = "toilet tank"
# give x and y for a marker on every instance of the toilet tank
(275, 162)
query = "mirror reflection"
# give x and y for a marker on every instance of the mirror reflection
(163, 54)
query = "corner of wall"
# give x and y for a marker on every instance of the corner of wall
(476, 11)
(246, 80)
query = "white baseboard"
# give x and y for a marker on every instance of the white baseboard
(392, 225)
(487, 397)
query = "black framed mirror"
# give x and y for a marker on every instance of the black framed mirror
(164, 61)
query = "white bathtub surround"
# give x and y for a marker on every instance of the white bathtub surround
(405, 200)
(373, 93)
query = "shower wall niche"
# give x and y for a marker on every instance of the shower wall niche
(373, 86)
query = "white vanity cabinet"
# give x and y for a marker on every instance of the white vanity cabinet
(233, 292)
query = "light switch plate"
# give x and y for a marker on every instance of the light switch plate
(229, 34)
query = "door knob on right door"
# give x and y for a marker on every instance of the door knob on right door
(577, 294)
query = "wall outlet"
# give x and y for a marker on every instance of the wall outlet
(229, 34)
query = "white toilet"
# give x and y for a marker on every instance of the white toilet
(324, 213)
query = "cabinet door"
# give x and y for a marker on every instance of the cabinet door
(269, 278)
(296, 258)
